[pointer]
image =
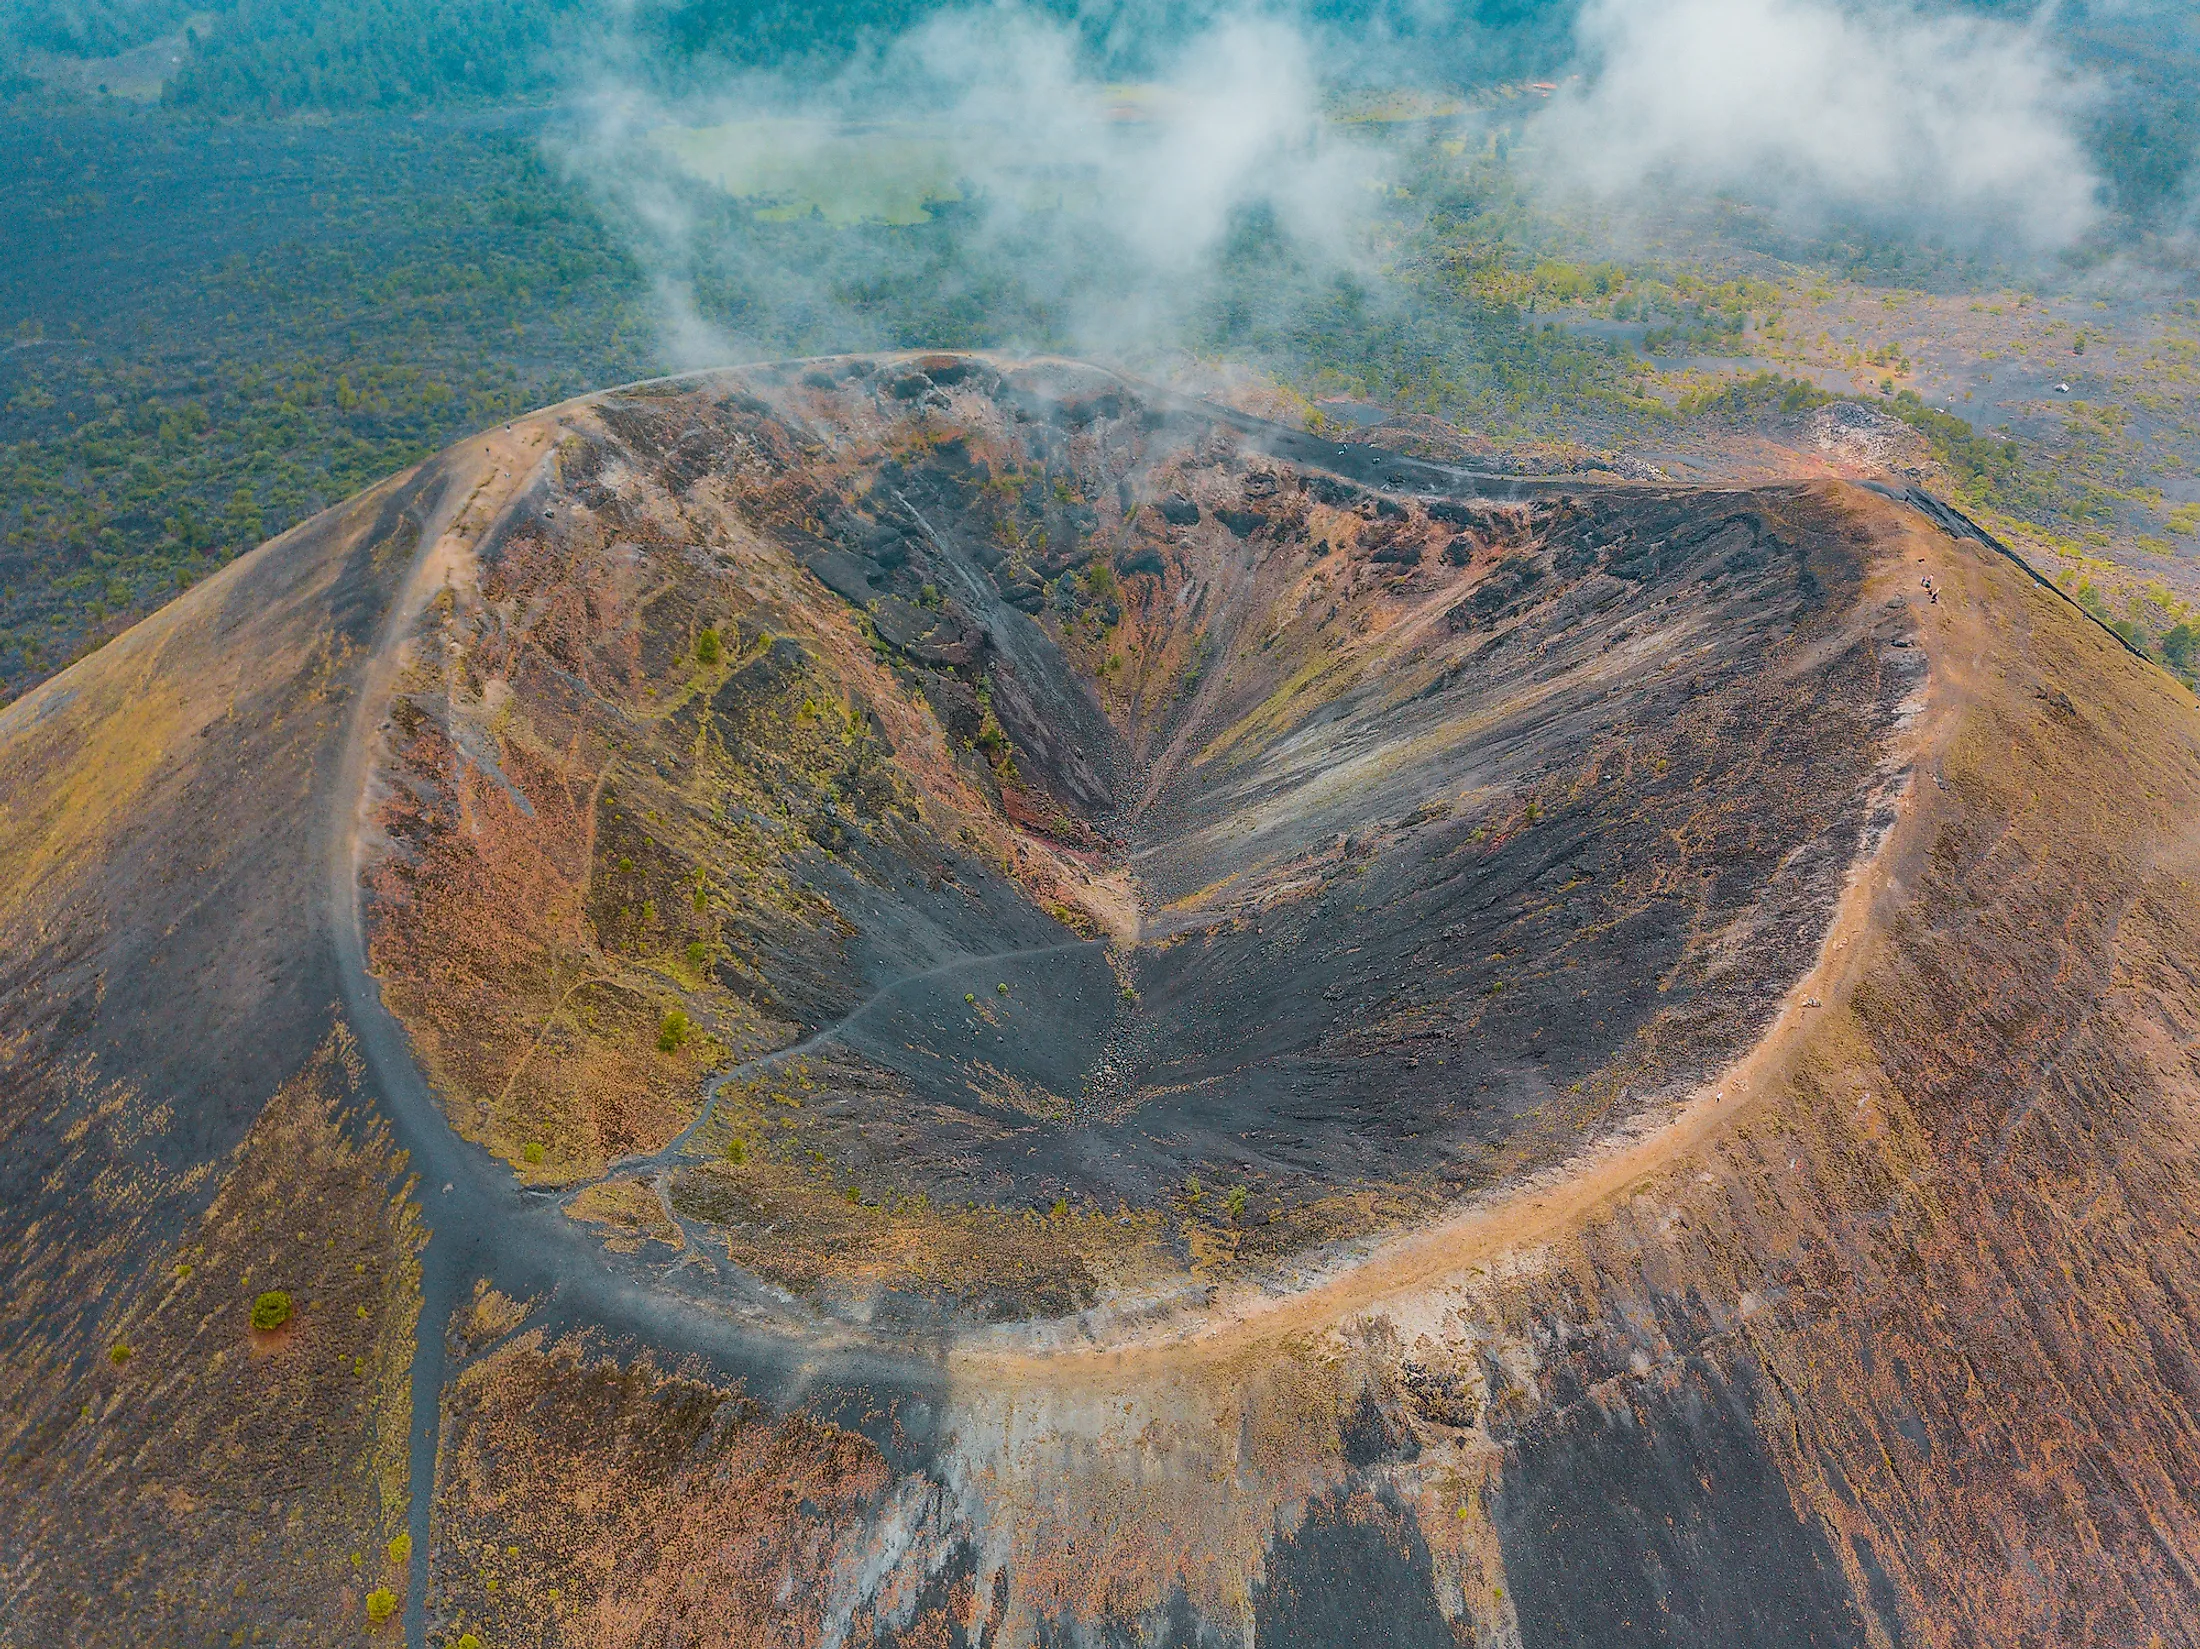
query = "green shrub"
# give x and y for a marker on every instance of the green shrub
(708, 648)
(119, 1353)
(737, 1151)
(400, 1548)
(531, 1154)
(381, 1604)
(1235, 1202)
(2179, 642)
(697, 953)
(673, 1031)
(271, 1310)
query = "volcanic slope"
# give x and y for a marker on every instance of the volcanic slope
(973, 1005)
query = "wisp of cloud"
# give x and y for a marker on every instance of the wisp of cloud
(1108, 207)
(1960, 126)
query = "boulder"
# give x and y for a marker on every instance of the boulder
(929, 635)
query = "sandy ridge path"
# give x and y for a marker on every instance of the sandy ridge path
(481, 477)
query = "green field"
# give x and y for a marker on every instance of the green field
(792, 169)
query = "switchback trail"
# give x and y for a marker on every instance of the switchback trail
(670, 1153)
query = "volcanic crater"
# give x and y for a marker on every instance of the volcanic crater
(965, 840)
(941, 1000)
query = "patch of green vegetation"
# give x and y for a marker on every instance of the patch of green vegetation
(1756, 395)
(673, 1031)
(2151, 618)
(2179, 644)
(270, 1310)
(1989, 471)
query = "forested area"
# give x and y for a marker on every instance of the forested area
(312, 309)
(263, 56)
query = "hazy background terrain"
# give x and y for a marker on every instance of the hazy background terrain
(260, 254)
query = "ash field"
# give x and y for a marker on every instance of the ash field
(951, 1000)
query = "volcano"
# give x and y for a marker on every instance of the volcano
(949, 999)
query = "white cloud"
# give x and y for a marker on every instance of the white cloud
(1960, 125)
(1111, 203)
